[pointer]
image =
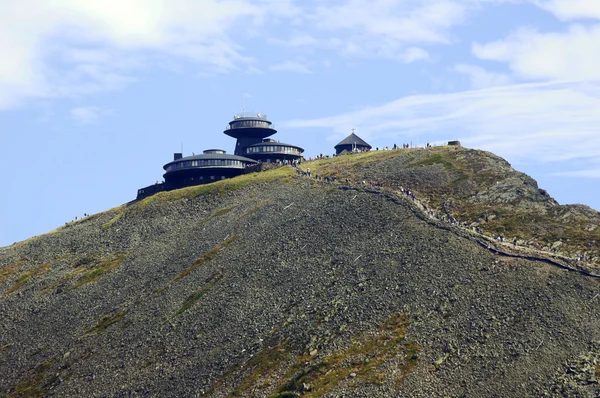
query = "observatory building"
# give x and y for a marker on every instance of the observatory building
(352, 143)
(252, 147)
(213, 165)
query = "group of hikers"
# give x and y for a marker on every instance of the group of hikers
(445, 218)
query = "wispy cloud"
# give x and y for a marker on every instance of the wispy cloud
(570, 55)
(542, 122)
(571, 9)
(89, 114)
(481, 78)
(290, 66)
(98, 45)
(589, 173)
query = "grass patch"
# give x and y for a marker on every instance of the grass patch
(218, 213)
(100, 269)
(341, 165)
(87, 270)
(366, 359)
(191, 300)
(261, 365)
(207, 257)
(10, 269)
(363, 359)
(21, 280)
(253, 210)
(36, 384)
(112, 221)
(105, 322)
(432, 160)
(219, 188)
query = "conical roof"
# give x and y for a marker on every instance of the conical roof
(353, 139)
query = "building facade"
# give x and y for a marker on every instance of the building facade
(252, 147)
(350, 144)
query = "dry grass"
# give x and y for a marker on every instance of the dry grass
(207, 257)
(364, 359)
(105, 322)
(11, 269)
(192, 299)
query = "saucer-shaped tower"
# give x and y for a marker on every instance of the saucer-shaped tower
(213, 165)
(249, 129)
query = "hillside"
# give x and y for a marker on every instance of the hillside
(276, 284)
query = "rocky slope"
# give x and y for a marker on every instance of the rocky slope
(275, 284)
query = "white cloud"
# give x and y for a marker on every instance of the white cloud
(572, 9)
(70, 47)
(290, 66)
(481, 78)
(543, 122)
(384, 28)
(88, 115)
(297, 39)
(570, 55)
(588, 173)
(413, 54)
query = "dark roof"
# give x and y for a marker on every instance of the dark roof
(353, 139)
(274, 143)
(212, 156)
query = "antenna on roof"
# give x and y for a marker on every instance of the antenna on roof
(243, 103)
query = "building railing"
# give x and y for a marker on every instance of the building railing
(268, 149)
(245, 114)
(207, 163)
(245, 123)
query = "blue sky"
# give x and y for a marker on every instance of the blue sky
(96, 95)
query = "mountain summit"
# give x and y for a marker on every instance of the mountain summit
(412, 272)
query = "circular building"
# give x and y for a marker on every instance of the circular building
(213, 165)
(270, 150)
(249, 129)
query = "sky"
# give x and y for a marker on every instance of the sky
(97, 95)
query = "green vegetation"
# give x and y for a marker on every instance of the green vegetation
(10, 269)
(346, 165)
(105, 322)
(219, 188)
(36, 384)
(207, 257)
(189, 302)
(112, 221)
(98, 270)
(218, 213)
(87, 269)
(363, 359)
(262, 365)
(21, 280)
(434, 159)
(253, 210)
